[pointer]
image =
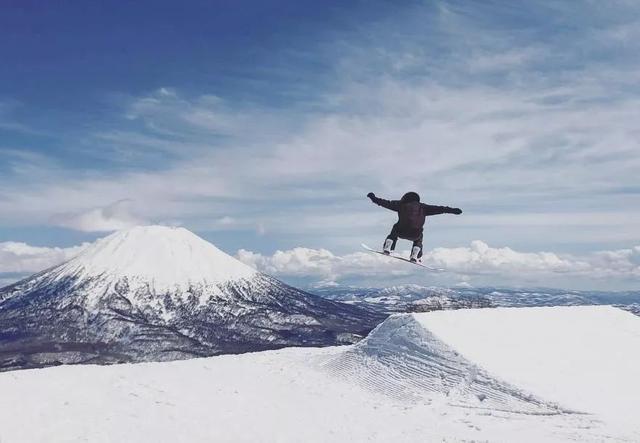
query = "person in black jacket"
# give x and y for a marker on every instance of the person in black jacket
(411, 218)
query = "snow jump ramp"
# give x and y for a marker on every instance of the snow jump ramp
(549, 360)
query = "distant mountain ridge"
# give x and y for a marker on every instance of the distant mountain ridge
(416, 298)
(157, 293)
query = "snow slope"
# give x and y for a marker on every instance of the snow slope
(585, 357)
(404, 360)
(439, 376)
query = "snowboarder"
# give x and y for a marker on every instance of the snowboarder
(411, 218)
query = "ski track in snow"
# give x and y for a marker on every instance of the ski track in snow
(405, 382)
(403, 360)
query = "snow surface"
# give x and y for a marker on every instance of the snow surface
(165, 257)
(439, 376)
(584, 357)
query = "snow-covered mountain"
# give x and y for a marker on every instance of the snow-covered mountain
(161, 293)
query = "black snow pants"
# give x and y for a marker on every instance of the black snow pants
(415, 235)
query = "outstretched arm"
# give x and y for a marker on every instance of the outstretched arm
(392, 205)
(436, 210)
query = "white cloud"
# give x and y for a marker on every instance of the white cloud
(113, 217)
(20, 258)
(461, 264)
(481, 258)
(509, 59)
(322, 264)
(475, 265)
(477, 145)
(225, 221)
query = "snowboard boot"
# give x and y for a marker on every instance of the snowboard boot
(415, 254)
(388, 244)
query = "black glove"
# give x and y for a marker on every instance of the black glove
(457, 211)
(371, 195)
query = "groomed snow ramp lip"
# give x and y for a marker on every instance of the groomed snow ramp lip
(530, 360)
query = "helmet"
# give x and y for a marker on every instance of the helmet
(410, 197)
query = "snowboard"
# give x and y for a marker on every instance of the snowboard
(399, 257)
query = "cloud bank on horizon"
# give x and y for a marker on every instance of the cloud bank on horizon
(524, 117)
(477, 264)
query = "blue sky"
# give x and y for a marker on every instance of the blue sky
(262, 125)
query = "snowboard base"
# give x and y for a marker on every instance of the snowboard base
(398, 257)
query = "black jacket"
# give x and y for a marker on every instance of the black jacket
(412, 214)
